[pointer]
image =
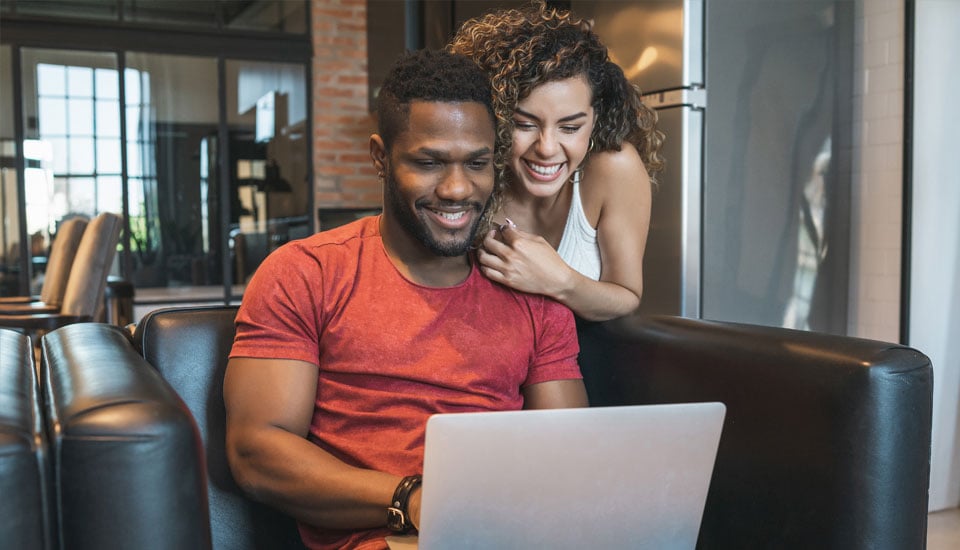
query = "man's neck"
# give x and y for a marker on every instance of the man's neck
(419, 264)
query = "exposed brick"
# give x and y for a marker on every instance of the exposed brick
(352, 80)
(354, 158)
(330, 13)
(352, 27)
(366, 181)
(339, 168)
(335, 145)
(341, 119)
(334, 91)
(372, 198)
(326, 198)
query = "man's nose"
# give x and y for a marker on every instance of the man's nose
(455, 185)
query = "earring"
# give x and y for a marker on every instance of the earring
(380, 176)
(590, 147)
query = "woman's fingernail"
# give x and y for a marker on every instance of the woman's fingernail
(510, 222)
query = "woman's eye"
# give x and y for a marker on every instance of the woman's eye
(570, 129)
(523, 125)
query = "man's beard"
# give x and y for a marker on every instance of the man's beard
(416, 225)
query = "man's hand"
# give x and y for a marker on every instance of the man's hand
(413, 506)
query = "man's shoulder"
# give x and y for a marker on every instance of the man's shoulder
(356, 230)
(336, 249)
(337, 238)
(537, 304)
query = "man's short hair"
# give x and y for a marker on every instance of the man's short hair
(428, 75)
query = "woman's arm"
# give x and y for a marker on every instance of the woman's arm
(617, 190)
(616, 195)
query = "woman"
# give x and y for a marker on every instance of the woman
(575, 145)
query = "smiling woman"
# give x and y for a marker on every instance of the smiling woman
(576, 147)
(551, 137)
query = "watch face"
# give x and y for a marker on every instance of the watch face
(396, 521)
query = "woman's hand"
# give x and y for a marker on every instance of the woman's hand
(525, 262)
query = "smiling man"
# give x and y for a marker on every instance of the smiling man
(349, 340)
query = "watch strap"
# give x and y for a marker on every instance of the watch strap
(398, 517)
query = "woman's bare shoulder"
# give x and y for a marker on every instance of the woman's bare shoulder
(610, 174)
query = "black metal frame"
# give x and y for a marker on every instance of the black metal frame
(906, 235)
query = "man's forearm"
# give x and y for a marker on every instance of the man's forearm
(292, 474)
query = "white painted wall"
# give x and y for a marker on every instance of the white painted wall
(935, 258)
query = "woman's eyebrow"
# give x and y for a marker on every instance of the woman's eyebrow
(568, 118)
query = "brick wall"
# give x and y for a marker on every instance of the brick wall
(877, 199)
(343, 174)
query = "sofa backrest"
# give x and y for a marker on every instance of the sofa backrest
(189, 347)
(826, 441)
(24, 478)
(125, 449)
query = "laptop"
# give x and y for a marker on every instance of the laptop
(596, 477)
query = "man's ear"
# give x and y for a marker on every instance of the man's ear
(378, 153)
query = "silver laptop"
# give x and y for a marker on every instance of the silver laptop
(599, 477)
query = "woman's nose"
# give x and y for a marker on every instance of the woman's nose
(546, 144)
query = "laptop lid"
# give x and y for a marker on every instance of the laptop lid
(597, 477)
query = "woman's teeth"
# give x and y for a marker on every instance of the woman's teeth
(545, 170)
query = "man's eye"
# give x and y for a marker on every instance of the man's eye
(427, 163)
(479, 164)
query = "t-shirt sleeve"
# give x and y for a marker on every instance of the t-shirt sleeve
(556, 345)
(279, 315)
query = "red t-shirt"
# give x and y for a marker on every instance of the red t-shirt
(391, 352)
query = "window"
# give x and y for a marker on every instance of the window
(79, 128)
(159, 131)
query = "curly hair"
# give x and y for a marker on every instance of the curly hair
(523, 48)
(428, 75)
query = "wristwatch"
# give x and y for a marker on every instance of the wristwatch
(398, 518)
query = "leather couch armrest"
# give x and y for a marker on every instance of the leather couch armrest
(826, 442)
(25, 520)
(127, 453)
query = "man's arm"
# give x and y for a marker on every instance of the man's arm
(555, 394)
(269, 406)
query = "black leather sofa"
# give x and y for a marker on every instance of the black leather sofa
(126, 456)
(25, 503)
(826, 442)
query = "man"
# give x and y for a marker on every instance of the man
(349, 340)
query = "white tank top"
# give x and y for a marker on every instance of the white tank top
(578, 245)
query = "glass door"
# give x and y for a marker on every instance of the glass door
(268, 161)
(171, 108)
